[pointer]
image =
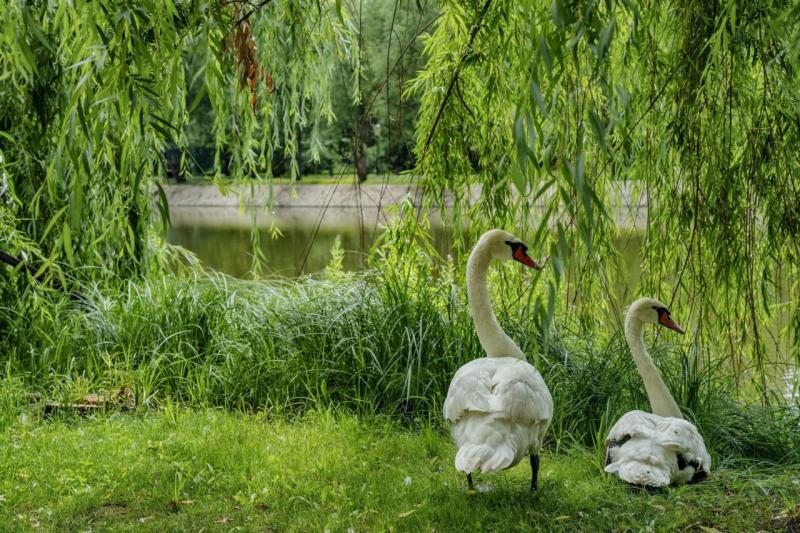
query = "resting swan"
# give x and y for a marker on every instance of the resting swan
(498, 406)
(656, 449)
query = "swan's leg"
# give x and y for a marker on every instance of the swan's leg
(534, 472)
(470, 486)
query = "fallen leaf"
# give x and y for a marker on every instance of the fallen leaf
(407, 513)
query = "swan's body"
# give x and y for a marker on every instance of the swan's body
(498, 406)
(661, 448)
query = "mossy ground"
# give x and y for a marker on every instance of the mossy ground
(182, 470)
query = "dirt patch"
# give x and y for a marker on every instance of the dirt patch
(787, 521)
(110, 509)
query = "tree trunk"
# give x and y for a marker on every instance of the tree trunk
(298, 153)
(360, 152)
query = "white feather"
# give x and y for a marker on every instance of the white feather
(643, 449)
(499, 407)
(654, 449)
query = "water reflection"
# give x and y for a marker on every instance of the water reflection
(220, 237)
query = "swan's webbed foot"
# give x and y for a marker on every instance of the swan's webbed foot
(470, 485)
(534, 472)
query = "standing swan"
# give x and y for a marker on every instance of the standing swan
(498, 406)
(661, 448)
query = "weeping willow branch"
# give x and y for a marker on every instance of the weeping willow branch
(476, 27)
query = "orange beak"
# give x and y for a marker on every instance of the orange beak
(666, 321)
(525, 259)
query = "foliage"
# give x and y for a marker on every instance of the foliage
(386, 54)
(178, 470)
(571, 112)
(93, 91)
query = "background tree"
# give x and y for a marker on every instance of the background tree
(93, 92)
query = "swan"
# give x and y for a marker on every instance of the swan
(661, 448)
(498, 406)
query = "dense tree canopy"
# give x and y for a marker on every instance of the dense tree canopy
(93, 91)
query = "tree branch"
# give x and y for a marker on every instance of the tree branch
(474, 33)
(255, 7)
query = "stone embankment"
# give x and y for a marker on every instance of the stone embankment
(337, 204)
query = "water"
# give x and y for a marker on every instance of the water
(220, 237)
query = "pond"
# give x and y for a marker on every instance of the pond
(221, 237)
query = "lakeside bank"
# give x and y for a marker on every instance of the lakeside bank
(340, 204)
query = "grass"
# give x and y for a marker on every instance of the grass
(378, 351)
(358, 342)
(180, 470)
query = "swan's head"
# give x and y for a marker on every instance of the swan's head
(503, 246)
(651, 311)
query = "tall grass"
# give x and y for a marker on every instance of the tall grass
(362, 342)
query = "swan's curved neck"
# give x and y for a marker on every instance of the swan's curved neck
(493, 339)
(661, 401)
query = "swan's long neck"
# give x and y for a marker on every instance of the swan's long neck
(661, 401)
(493, 339)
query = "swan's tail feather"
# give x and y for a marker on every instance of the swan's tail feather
(472, 457)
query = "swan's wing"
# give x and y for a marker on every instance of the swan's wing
(682, 437)
(640, 460)
(630, 425)
(470, 390)
(505, 386)
(521, 393)
(629, 438)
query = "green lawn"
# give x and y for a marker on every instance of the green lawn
(179, 470)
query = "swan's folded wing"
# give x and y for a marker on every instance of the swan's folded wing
(682, 437)
(469, 391)
(695, 455)
(508, 387)
(630, 425)
(521, 394)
